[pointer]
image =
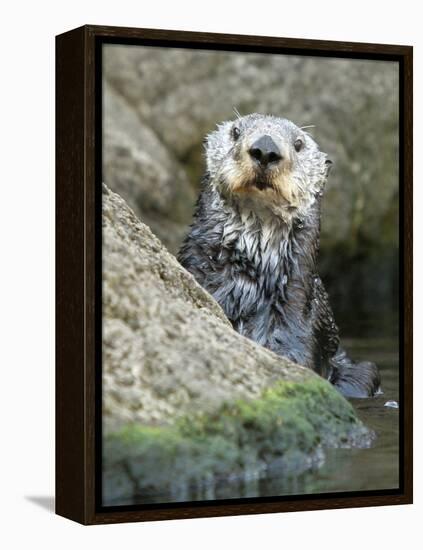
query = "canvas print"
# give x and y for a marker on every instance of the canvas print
(250, 264)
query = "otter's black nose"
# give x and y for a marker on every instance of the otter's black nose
(265, 151)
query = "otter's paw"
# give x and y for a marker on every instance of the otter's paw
(355, 379)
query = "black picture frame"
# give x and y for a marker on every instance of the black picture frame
(78, 274)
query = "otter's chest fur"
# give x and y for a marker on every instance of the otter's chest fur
(261, 271)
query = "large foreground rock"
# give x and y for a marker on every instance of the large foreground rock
(188, 402)
(168, 347)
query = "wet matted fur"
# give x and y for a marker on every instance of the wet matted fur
(254, 242)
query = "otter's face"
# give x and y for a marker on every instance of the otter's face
(267, 160)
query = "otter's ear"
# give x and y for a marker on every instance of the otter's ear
(329, 165)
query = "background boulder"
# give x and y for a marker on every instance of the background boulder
(160, 103)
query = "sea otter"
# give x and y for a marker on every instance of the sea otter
(254, 242)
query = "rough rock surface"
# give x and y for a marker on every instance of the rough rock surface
(188, 403)
(167, 345)
(160, 103)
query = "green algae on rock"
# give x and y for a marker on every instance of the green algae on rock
(286, 429)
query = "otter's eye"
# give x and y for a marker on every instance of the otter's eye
(236, 132)
(298, 144)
